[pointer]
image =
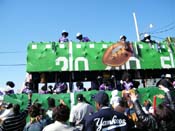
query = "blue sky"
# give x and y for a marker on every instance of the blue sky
(23, 21)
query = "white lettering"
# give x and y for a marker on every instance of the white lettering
(79, 59)
(111, 124)
(65, 63)
(127, 65)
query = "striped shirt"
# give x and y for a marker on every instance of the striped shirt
(16, 122)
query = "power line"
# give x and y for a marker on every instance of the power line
(13, 65)
(11, 52)
(161, 38)
(162, 31)
(164, 27)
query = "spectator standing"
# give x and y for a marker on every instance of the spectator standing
(64, 36)
(105, 118)
(80, 112)
(162, 119)
(35, 124)
(115, 99)
(60, 115)
(51, 106)
(17, 121)
(167, 87)
(7, 111)
(80, 37)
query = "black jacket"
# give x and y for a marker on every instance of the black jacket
(170, 99)
(146, 121)
(151, 123)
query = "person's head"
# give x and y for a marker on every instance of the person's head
(80, 98)
(44, 88)
(126, 77)
(147, 36)
(16, 109)
(64, 33)
(163, 112)
(122, 105)
(164, 84)
(123, 38)
(34, 111)
(101, 99)
(79, 85)
(10, 84)
(79, 36)
(50, 87)
(61, 113)
(51, 102)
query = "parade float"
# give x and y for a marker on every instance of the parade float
(72, 61)
(46, 61)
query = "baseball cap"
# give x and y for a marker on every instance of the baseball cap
(102, 98)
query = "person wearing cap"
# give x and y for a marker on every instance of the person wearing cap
(80, 111)
(123, 38)
(106, 118)
(147, 39)
(9, 89)
(64, 37)
(80, 37)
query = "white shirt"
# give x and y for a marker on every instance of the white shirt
(58, 126)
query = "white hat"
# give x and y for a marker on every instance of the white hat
(146, 35)
(122, 36)
(78, 34)
(168, 76)
(63, 31)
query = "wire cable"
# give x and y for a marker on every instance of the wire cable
(11, 52)
(13, 65)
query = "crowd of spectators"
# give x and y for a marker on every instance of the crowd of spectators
(116, 113)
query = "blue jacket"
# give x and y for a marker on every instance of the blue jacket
(107, 119)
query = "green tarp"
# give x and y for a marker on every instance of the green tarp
(54, 56)
(144, 94)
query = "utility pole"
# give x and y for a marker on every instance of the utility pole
(136, 27)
